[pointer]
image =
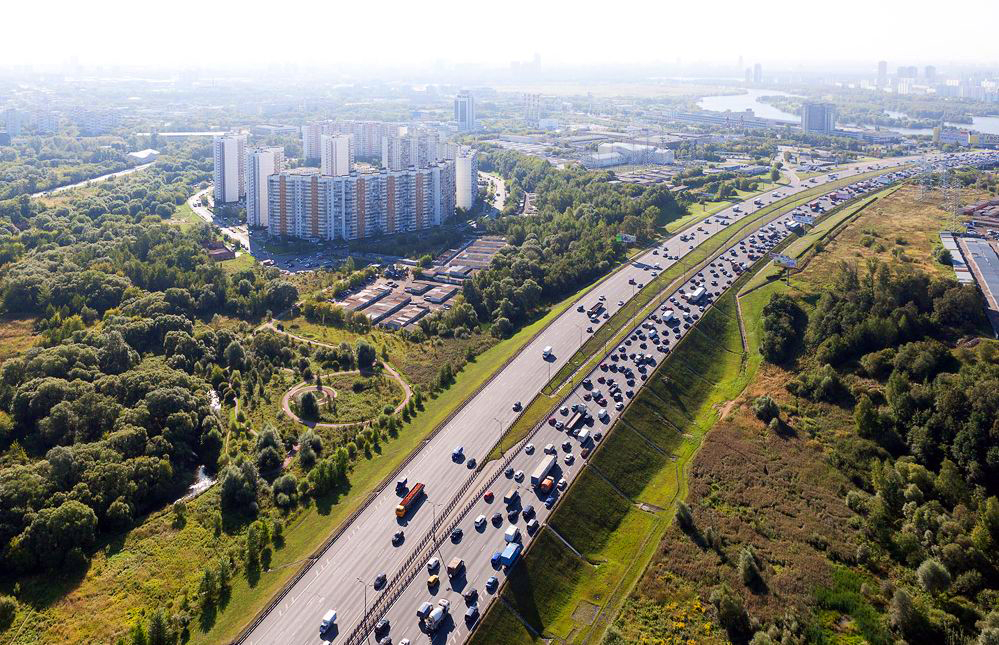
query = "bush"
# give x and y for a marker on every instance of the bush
(933, 575)
(766, 409)
(731, 613)
(8, 609)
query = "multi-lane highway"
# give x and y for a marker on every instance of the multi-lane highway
(343, 577)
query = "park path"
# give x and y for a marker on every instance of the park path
(285, 401)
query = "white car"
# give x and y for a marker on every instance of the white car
(433, 564)
(480, 521)
(519, 476)
(529, 448)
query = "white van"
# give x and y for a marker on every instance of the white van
(512, 534)
(328, 621)
(547, 351)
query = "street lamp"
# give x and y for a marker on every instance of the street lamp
(433, 530)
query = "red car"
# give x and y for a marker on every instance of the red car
(551, 421)
(488, 496)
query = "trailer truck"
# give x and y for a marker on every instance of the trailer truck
(414, 494)
(543, 469)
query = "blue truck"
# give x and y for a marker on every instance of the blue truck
(511, 553)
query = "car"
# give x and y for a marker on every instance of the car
(509, 471)
(528, 512)
(550, 449)
(497, 518)
(551, 499)
(457, 453)
(589, 330)
(517, 406)
(433, 564)
(456, 534)
(585, 452)
(491, 584)
(563, 410)
(529, 449)
(433, 581)
(551, 421)
(381, 627)
(620, 303)
(470, 463)
(380, 581)
(398, 538)
(488, 496)
(567, 445)
(559, 425)
(470, 595)
(569, 459)
(580, 308)
(472, 614)
(518, 476)
(619, 406)
(512, 514)
(480, 521)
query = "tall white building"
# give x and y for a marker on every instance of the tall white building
(261, 163)
(12, 122)
(312, 139)
(337, 154)
(466, 179)
(230, 167)
(464, 111)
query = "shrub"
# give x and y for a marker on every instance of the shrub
(8, 609)
(766, 409)
(933, 575)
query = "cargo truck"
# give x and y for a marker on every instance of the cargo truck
(543, 469)
(510, 554)
(455, 566)
(414, 494)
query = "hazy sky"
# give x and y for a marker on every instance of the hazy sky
(214, 33)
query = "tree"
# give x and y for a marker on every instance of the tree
(366, 355)
(865, 415)
(159, 630)
(933, 575)
(731, 613)
(8, 609)
(766, 409)
(310, 408)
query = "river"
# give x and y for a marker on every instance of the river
(749, 100)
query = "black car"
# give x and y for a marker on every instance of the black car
(497, 518)
(470, 595)
(380, 580)
(456, 534)
(398, 538)
(528, 512)
(381, 627)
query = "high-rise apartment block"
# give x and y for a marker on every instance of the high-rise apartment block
(229, 153)
(337, 154)
(818, 117)
(261, 163)
(930, 73)
(306, 204)
(312, 139)
(466, 173)
(532, 108)
(464, 111)
(882, 73)
(12, 122)
(416, 149)
(757, 73)
(368, 136)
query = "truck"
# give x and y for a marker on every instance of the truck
(547, 352)
(696, 294)
(595, 309)
(584, 434)
(455, 566)
(575, 420)
(546, 484)
(543, 469)
(512, 534)
(414, 494)
(436, 617)
(511, 553)
(328, 621)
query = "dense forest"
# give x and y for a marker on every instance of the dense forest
(36, 163)
(889, 344)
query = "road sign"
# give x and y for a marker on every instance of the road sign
(803, 219)
(784, 260)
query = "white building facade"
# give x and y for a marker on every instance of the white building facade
(337, 154)
(229, 153)
(464, 111)
(261, 163)
(466, 172)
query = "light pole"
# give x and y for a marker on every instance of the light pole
(364, 585)
(433, 531)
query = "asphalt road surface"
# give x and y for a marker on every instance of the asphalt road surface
(343, 576)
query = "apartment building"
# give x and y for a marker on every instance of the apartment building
(337, 154)
(464, 111)
(466, 172)
(312, 139)
(261, 163)
(306, 204)
(417, 149)
(229, 172)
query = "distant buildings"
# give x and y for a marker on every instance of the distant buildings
(337, 154)
(464, 111)
(930, 73)
(305, 204)
(618, 153)
(466, 171)
(416, 149)
(312, 139)
(882, 73)
(12, 122)
(818, 117)
(93, 123)
(229, 153)
(757, 73)
(532, 108)
(908, 71)
(367, 135)
(144, 156)
(261, 163)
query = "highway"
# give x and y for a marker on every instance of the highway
(342, 577)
